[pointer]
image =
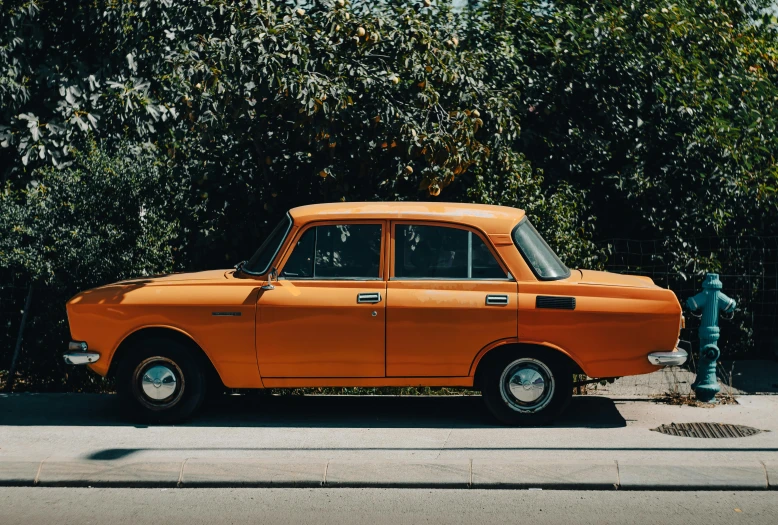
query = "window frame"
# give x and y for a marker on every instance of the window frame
(277, 250)
(527, 259)
(314, 224)
(473, 231)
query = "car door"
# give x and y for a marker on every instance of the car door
(326, 315)
(448, 297)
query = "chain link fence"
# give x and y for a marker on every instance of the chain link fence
(748, 269)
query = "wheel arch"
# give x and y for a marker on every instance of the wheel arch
(147, 333)
(495, 350)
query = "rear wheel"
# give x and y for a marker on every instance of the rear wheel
(161, 381)
(527, 388)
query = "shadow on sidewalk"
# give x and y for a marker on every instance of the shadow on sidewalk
(299, 412)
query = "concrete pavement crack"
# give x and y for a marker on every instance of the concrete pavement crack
(618, 475)
(766, 474)
(445, 442)
(181, 473)
(38, 474)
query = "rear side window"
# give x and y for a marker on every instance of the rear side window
(544, 262)
(439, 252)
(342, 251)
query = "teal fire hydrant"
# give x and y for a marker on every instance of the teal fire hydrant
(711, 301)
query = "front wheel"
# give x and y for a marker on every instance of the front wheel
(160, 382)
(528, 388)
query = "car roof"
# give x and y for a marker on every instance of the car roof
(490, 219)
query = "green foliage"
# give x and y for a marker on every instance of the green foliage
(103, 218)
(664, 112)
(643, 120)
(266, 106)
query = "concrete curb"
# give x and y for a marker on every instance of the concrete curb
(466, 473)
(737, 476)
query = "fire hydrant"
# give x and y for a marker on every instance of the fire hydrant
(711, 301)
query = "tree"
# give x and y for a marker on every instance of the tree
(664, 113)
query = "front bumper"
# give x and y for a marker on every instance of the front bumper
(77, 354)
(81, 358)
(675, 358)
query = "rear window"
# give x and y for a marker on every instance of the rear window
(544, 262)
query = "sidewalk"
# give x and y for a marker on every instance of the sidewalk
(601, 443)
(744, 377)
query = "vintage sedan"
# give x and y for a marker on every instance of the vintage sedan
(379, 294)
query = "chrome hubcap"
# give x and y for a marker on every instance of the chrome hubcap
(159, 382)
(527, 385)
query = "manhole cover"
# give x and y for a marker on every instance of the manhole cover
(707, 430)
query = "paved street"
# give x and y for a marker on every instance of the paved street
(47, 506)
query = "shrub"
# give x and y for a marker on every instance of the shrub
(108, 216)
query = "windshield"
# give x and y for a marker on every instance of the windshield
(260, 261)
(541, 258)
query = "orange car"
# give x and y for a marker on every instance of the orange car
(379, 294)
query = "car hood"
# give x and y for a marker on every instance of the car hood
(615, 279)
(117, 292)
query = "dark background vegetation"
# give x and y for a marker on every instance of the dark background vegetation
(140, 137)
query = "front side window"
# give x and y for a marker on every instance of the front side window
(541, 258)
(260, 261)
(341, 251)
(439, 252)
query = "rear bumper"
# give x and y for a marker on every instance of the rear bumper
(675, 358)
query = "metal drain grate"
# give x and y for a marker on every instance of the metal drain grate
(707, 430)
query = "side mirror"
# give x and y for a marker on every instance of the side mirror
(272, 276)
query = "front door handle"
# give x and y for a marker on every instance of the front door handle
(497, 299)
(369, 298)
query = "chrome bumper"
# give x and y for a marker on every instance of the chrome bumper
(674, 358)
(81, 358)
(77, 354)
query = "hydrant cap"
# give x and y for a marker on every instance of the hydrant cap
(711, 282)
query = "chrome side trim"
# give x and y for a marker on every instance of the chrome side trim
(81, 358)
(675, 358)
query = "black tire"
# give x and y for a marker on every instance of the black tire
(161, 381)
(525, 404)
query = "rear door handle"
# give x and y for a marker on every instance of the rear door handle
(497, 299)
(369, 298)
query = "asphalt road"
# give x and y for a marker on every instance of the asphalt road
(50, 506)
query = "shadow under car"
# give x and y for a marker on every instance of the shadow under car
(299, 411)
